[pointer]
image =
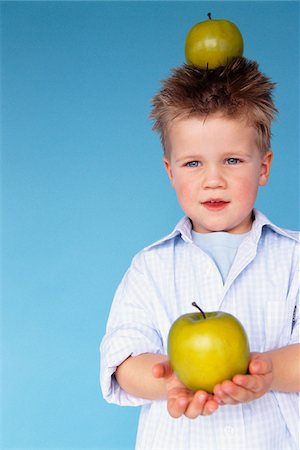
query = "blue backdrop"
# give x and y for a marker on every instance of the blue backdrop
(84, 188)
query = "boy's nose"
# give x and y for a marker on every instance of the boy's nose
(213, 178)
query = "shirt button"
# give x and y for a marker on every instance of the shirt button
(228, 430)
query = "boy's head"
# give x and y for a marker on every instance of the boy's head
(238, 90)
(215, 128)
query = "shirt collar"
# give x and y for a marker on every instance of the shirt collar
(184, 230)
(262, 221)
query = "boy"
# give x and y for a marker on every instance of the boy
(215, 130)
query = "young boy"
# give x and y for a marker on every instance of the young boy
(225, 255)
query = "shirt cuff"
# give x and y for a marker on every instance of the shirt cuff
(113, 353)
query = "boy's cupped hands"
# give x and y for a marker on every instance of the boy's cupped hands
(241, 389)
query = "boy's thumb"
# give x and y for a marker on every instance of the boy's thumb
(260, 366)
(162, 370)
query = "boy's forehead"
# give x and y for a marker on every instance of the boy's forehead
(218, 124)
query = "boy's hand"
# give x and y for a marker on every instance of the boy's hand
(245, 388)
(181, 400)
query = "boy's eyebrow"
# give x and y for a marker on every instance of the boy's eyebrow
(189, 157)
(238, 153)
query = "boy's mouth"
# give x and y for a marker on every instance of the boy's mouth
(215, 204)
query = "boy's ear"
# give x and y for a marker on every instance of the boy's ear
(265, 168)
(169, 170)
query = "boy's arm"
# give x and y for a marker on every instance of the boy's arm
(150, 376)
(134, 375)
(277, 370)
(286, 368)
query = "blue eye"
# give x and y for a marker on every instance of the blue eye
(193, 164)
(233, 161)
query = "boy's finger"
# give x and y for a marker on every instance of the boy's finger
(236, 394)
(210, 407)
(177, 406)
(162, 370)
(196, 406)
(252, 383)
(226, 392)
(202, 404)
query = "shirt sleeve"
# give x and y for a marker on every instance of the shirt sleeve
(289, 401)
(130, 330)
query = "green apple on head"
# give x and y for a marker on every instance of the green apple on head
(213, 43)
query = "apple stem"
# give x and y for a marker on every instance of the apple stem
(198, 307)
(209, 15)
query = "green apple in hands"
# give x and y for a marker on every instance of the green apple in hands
(207, 348)
(213, 43)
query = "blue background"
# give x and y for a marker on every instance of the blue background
(84, 188)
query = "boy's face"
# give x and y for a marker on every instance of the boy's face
(215, 166)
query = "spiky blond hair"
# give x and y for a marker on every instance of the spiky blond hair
(237, 90)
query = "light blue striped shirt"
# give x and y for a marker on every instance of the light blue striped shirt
(261, 289)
